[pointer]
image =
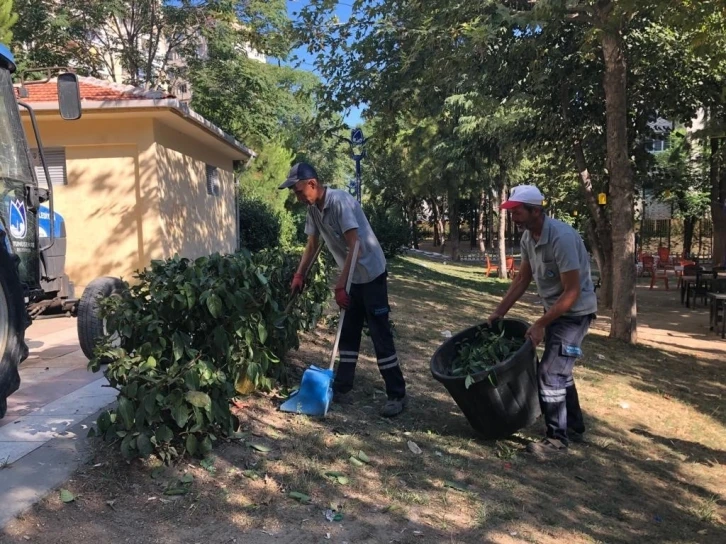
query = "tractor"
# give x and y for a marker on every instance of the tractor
(33, 282)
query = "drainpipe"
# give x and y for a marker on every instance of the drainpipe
(237, 173)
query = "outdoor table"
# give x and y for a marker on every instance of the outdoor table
(717, 306)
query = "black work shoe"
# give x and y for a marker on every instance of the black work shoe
(393, 407)
(547, 448)
(343, 398)
(578, 437)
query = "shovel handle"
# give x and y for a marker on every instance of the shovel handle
(307, 271)
(342, 312)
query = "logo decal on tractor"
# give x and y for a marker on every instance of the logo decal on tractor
(18, 219)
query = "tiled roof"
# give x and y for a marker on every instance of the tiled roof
(93, 89)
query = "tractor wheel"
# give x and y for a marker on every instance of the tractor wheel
(91, 326)
(13, 319)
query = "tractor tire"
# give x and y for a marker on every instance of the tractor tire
(13, 321)
(91, 326)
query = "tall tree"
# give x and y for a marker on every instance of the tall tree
(7, 19)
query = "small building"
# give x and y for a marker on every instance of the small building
(139, 177)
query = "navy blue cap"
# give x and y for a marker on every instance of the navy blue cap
(299, 172)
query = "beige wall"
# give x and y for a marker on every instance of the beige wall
(111, 201)
(193, 223)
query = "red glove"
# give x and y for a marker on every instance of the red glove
(342, 298)
(298, 282)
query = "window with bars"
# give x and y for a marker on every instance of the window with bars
(55, 159)
(213, 184)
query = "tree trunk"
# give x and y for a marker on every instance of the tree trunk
(481, 221)
(600, 234)
(689, 227)
(436, 216)
(414, 224)
(473, 228)
(604, 259)
(453, 202)
(622, 189)
(718, 202)
(501, 229)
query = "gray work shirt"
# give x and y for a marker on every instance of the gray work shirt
(559, 249)
(340, 214)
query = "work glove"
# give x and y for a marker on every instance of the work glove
(342, 298)
(298, 282)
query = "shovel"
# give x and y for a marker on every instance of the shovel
(280, 321)
(316, 391)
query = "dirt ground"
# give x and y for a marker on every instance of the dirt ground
(653, 468)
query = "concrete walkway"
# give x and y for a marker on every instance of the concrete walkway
(43, 435)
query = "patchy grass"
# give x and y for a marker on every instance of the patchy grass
(653, 469)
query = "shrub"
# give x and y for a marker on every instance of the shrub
(193, 334)
(260, 227)
(392, 232)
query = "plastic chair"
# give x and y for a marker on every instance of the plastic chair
(511, 267)
(490, 267)
(657, 276)
(648, 264)
(663, 255)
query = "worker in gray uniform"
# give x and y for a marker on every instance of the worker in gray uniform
(338, 218)
(554, 254)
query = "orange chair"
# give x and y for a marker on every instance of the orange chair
(648, 264)
(663, 256)
(490, 267)
(511, 267)
(656, 276)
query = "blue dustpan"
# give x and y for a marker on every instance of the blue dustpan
(315, 393)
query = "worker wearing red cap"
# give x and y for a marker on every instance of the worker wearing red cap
(554, 255)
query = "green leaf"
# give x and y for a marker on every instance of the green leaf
(180, 413)
(176, 491)
(104, 421)
(144, 445)
(126, 446)
(192, 444)
(150, 402)
(262, 332)
(251, 474)
(455, 485)
(356, 462)
(66, 496)
(469, 381)
(91, 433)
(198, 399)
(125, 411)
(261, 448)
(164, 434)
(208, 465)
(206, 445)
(177, 346)
(148, 365)
(342, 480)
(363, 457)
(214, 304)
(302, 497)
(262, 278)
(187, 478)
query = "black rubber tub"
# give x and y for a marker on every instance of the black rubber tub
(502, 400)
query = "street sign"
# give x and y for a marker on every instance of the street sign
(356, 136)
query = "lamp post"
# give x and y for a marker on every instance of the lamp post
(357, 140)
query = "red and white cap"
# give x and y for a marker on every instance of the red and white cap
(523, 194)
